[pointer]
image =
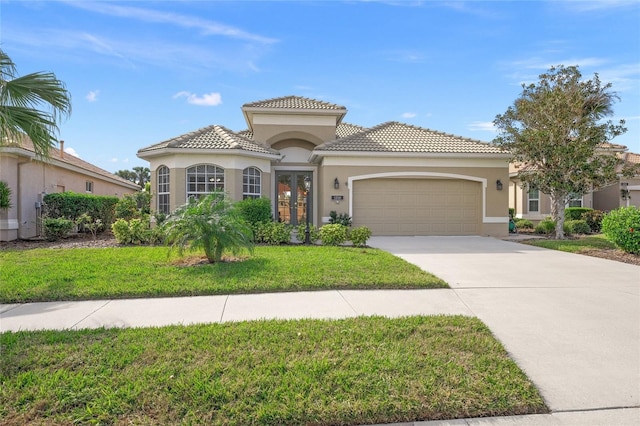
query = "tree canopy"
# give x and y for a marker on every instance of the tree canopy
(31, 105)
(556, 134)
(140, 175)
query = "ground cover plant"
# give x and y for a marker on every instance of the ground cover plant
(591, 245)
(120, 272)
(355, 371)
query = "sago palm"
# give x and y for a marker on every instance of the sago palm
(212, 223)
(31, 105)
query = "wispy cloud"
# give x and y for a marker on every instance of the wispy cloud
(92, 96)
(208, 99)
(71, 151)
(484, 126)
(409, 115)
(404, 56)
(597, 5)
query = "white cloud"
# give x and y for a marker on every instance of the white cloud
(409, 115)
(71, 151)
(92, 96)
(114, 160)
(485, 126)
(208, 99)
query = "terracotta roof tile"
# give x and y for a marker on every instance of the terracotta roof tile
(294, 102)
(399, 137)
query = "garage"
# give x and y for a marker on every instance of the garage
(401, 206)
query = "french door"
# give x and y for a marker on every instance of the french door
(292, 197)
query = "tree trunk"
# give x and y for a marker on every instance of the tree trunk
(557, 213)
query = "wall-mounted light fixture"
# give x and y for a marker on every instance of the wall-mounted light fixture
(336, 183)
(499, 185)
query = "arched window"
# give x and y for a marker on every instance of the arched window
(251, 179)
(204, 179)
(162, 175)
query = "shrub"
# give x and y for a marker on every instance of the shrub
(121, 231)
(524, 224)
(314, 233)
(255, 210)
(341, 219)
(85, 222)
(56, 228)
(622, 227)
(135, 231)
(575, 213)
(577, 227)
(593, 219)
(273, 233)
(546, 226)
(360, 235)
(70, 205)
(126, 208)
(333, 234)
(5, 196)
(512, 212)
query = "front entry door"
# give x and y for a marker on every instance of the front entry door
(292, 197)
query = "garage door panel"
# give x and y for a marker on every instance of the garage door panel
(418, 206)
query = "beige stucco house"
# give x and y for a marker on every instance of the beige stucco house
(535, 205)
(31, 178)
(395, 178)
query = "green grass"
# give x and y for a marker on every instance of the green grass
(584, 243)
(349, 372)
(120, 272)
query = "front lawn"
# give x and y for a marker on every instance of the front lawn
(121, 272)
(354, 371)
(584, 243)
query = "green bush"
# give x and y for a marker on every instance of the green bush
(56, 228)
(87, 223)
(341, 219)
(576, 227)
(512, 212)
(135, 231)
(273, 233)
(546, 226)
(359, 236)
(593, 219)
(255, 210)
(524, 224)
(622, 227)
(127, 208)
(70, 205)
(333, 234)
(5, 196)
(314, 233)
(575, 213)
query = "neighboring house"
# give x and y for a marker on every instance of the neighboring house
(30, 179)
(395, 178)
(535, 206)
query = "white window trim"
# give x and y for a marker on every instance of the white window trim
(248, 193)
(217, 171)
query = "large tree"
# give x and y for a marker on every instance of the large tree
(31, 105)
(140, 175)
(555, 131)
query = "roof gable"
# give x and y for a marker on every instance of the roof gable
(294, 102)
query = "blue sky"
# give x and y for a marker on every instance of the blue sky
(141, 72)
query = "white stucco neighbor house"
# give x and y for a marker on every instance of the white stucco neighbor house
(395, 178)
(30, 178)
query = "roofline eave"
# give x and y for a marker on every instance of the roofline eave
(166, 151)
(321, 153)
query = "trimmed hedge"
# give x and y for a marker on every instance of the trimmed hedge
(56, 228)
(622, 227)
(70, 205)
(575, 213)
(576, 227)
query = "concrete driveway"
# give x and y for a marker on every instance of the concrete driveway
(572, 322)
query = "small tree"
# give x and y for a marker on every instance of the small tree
(211, 223)
(554, 129)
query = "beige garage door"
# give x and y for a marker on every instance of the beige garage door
(418, 206)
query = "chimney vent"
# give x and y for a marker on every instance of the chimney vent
(61, 149)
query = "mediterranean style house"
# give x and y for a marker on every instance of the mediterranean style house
(534, 205)
(395, 178)
(30, 178)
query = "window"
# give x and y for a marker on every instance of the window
(163, 190)
(251, 183)
(534, 200)
(575, 200)
(88, 186)
(204, 179)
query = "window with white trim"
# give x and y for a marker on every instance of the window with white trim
(204, 179)
(88, 186)
(163, 189)
(575, 200)
(251, 179)
(534, 200)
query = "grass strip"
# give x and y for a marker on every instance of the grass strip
(354, 371)
(121, 272)
(582, 244)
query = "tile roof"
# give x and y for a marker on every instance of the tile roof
(294, 102)
(343, 129)
(399, 137)
(212, 137)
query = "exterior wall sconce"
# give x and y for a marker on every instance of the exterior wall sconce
(499, 185)
(336, 183)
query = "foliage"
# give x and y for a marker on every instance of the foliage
(5, 196)
(273, 233)
(87, 222)
(577, 227)
(524, 224)
(342, 218)
(512, 212)
(134, 205)
(71, 206)
(593, 219)
(135, 231)
(139, 175)
(212, 223)
(56, 228)
(575, 213)
(554, 130)
(622, 227)
(314, 233)
(546, 226)
(333, 234)
(359, 236)
(21, 100)
(583, 243)
(255, 210)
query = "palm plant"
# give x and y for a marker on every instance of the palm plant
(31, 105)
(212, 223)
